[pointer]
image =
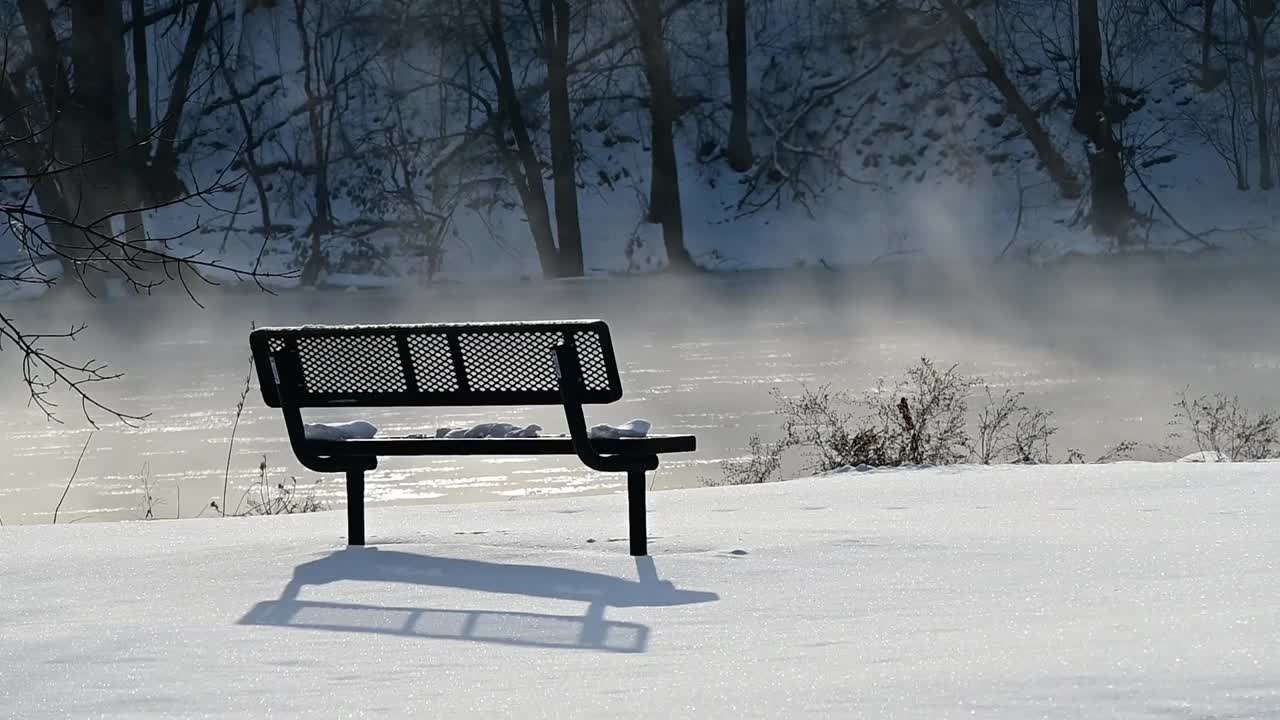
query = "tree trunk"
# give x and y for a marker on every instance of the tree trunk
(93, 141)
(1260, 97)
(101, 93)
(141, 71)
(31, 156)
(164, 176)
(1109, 211)
(1058, 169)
(1091, 95)
(524, 167)
(55, 91)
(664, 195)
(44, 50)
(321, 215)
(1206, 45)
(556, 33)
(740, 158)
(1238, 144)
(127, 158)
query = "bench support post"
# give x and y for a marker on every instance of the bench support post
(636, 513)
(355, 507)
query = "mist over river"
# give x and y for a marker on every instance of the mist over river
(1105, 344)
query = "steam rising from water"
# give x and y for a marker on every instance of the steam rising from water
(1104, 344)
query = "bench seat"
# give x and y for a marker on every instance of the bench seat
(405, 446)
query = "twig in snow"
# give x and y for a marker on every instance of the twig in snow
(71, 479)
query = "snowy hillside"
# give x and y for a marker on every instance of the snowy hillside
(873, 138)
(876, 134)
(1128, 590)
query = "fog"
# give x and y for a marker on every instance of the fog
(1104, 343)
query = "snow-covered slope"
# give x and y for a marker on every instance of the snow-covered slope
(1130, 590)
(875, 131)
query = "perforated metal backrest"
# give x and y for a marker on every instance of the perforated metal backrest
(424, 365)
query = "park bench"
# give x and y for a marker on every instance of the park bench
(567, 363)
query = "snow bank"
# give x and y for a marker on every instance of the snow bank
(1205, 456)
(355, 430)
(1129, 590)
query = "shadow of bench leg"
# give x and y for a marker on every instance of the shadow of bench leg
(355, 507)
(635, 511)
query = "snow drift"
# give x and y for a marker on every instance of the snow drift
(1130, 590)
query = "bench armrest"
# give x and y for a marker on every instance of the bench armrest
(570, 394)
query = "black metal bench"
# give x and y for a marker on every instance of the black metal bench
(568, 363)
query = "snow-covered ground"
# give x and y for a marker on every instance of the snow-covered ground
(1129, 590)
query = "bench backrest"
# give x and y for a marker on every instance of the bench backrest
(451, 364)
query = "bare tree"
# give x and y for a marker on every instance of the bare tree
(805, 124)
(556, 36)
(335, 60)
(1109, 212)
(740, 158)
(1237, 34)
(1055, 165)
(321, 113)
(119, 162)
(1207, 76)
(248, 125)
(521, 162)
(141, 68)
(164, 160)
(1259, 15)
(1091, 95)
(1219, 122)
(664, 194)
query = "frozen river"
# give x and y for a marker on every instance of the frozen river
(1104, 348)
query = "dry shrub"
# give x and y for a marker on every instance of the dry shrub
(918, 420)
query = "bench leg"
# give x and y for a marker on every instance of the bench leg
(355, 507)
(635, 511)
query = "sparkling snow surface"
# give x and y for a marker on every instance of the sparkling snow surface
(1122, 591)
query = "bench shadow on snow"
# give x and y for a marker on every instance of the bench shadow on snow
(590, 631)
